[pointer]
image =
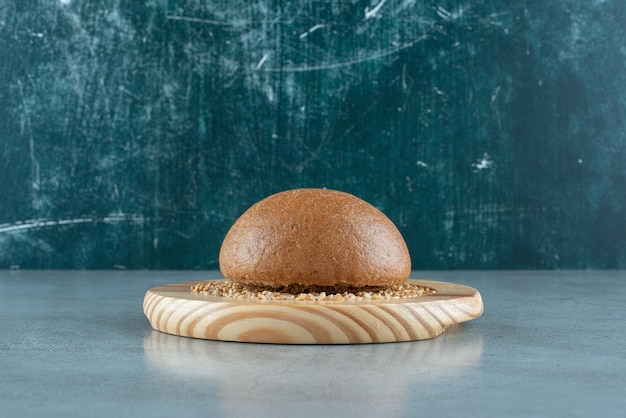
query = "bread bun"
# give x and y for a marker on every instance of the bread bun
(314, 238)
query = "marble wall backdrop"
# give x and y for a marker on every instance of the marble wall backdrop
(133, 133)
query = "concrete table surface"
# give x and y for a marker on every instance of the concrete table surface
(76, 343)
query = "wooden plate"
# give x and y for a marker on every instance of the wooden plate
(174, 309)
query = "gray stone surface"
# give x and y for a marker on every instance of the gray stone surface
(77, 344)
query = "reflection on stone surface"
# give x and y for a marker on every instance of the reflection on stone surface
(358, 373)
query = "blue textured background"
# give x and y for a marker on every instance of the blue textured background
(133, 133)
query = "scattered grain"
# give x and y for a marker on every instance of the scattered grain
(230, 289)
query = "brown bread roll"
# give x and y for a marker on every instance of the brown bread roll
(314, 238)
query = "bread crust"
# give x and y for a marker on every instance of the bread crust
(314, 237)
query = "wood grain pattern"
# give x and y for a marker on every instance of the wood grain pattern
(174, 309)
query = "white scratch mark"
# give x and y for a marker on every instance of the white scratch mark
(494, 96)
(198, 20)
(409, 184)
(34, 163)
(334, 65)
(372, 13)
(404, 85)
(448, 15)
(443, 13)
(39, 223)
(483, 163)
(262, 61)
(42, 223)
(311, 30)
(129, 93)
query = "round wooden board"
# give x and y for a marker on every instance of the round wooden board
(174, 309)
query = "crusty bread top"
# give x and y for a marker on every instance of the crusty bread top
(314, 237)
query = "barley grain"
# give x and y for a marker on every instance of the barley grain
(230, 289)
